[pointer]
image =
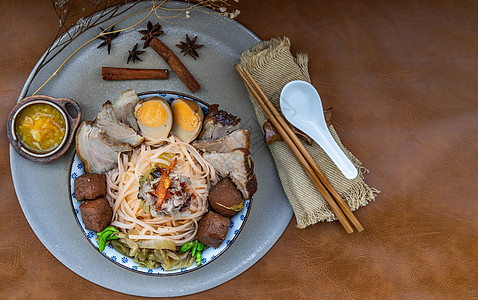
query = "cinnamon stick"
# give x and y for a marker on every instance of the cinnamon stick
(109, 73)
(176, 65)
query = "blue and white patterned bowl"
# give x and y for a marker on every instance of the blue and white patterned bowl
(208, 255)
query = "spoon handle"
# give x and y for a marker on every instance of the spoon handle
(325, 140)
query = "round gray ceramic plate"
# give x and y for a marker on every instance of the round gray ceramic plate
(42, 189)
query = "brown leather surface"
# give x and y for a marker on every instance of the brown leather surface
(402, 77)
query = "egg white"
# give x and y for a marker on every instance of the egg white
(159, 132)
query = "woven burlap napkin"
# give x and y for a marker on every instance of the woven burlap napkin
(272, 65)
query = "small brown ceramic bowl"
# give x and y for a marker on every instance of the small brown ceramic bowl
(70, 113)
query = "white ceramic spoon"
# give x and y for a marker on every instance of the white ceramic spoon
(301, 106)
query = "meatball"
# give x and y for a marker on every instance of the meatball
(90, 186)
(212, 229)
(96, 214)
(225, 198)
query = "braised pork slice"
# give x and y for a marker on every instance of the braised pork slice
(238, 166)
(237, 139)
(124, 108)
(218, 123)
(94, 150)
(98, 142)
(119, 132)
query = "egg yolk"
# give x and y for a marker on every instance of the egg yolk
(152, 113)
(185, 117)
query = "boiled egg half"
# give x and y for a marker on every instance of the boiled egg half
(187, 119)
(155, 117)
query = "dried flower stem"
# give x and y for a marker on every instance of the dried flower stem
(64, 14)
(92, 39)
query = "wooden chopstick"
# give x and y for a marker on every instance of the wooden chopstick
(281, 128)
(323, 179)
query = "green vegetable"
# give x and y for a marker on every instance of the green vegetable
(102, 242)
(148, 176)
(144, 206)
(108, 228)
(109, 233)
(112, 236)
(198, 259)
(187, 246)
(195, 247)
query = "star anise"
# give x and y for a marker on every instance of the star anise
(189, 47)
(134, 54)
(150, 33)
(107, 37)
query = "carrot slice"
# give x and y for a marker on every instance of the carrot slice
(163, 185)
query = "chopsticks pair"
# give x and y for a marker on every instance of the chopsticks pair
(336, 203)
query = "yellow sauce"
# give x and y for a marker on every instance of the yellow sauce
(40, 127)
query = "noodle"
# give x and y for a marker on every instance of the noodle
(123, 186)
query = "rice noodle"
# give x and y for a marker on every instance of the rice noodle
(123, 185)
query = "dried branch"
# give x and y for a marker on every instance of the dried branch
(97, 12)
